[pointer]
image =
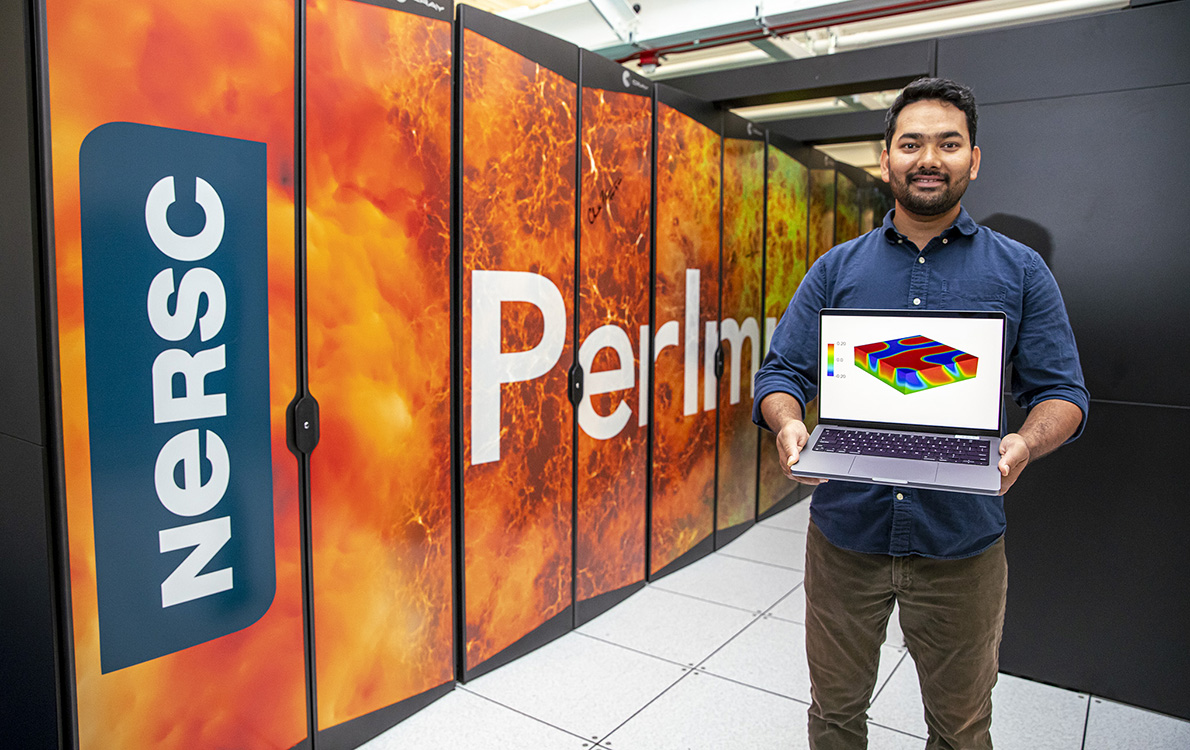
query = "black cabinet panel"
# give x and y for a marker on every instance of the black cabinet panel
(1099, 578)
(20, 375)
(849, 126)
(1127, 49)
(28, 696)
(1094, 184)
(872, 69)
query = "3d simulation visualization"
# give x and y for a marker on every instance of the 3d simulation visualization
(915, 363)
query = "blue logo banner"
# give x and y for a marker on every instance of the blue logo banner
(175, 293)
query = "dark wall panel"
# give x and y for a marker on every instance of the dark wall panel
(1099, 580)
(1128, 49)
(1082, 129)
(850, 126)
(885, 67)
(28, 697)
(28, 673)
(1087, 181)
(20, 373)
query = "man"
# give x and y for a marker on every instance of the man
(940, 555)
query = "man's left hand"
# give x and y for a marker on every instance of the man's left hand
(1048, 425)
(1014, 457)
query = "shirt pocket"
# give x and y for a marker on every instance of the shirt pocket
(973, 294)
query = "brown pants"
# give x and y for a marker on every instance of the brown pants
(952, 614)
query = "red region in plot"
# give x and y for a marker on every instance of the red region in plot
(915, 363)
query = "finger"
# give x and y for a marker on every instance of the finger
(789, 468)
(811, 481)
(795, 453)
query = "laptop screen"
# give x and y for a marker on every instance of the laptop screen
(929, 369)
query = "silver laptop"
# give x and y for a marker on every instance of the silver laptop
(908, 398)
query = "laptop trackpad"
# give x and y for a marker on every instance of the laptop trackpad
(895, 469)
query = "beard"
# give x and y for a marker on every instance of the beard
(928, 204)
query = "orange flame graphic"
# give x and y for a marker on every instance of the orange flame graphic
(743, 245)
(518, 210)
(822, 212)
(785, 266)
(616, 186)
(688, 157)
(867, 214)
(846, 209)
(224, 68)
(822, 238)
(378, 145)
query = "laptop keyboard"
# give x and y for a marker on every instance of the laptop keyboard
(951, 450)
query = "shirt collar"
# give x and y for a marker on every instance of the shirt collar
(963, 224)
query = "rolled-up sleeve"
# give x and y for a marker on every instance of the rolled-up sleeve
(791, 365)
(1045, 363)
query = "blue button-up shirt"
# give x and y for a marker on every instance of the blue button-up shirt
(967, 267)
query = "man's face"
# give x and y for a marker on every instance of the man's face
(931, 159)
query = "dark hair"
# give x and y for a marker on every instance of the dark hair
(940, 89)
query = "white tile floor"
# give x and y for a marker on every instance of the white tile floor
(712, 657)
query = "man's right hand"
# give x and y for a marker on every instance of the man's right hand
(790, 442)
(783, 414)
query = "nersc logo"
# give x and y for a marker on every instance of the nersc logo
(175, 285)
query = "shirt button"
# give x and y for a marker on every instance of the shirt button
(900, 496)
(900, 242)
(921, 260)
(944, 240)
(917, 300)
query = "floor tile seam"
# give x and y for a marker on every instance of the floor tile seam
(903, 652)
(1092, 698)
(539, 720)
(768, 615)
(724, 645)
(771, 616)
(638, 712)
(737, 681)
(660, 587)
(766, 525)
(894, 729)
(1104, 698)
(788, 594)
(726, 552)
(756, 612)
(901, 661)
(762, 562)
(686, 666)
(778, 528)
